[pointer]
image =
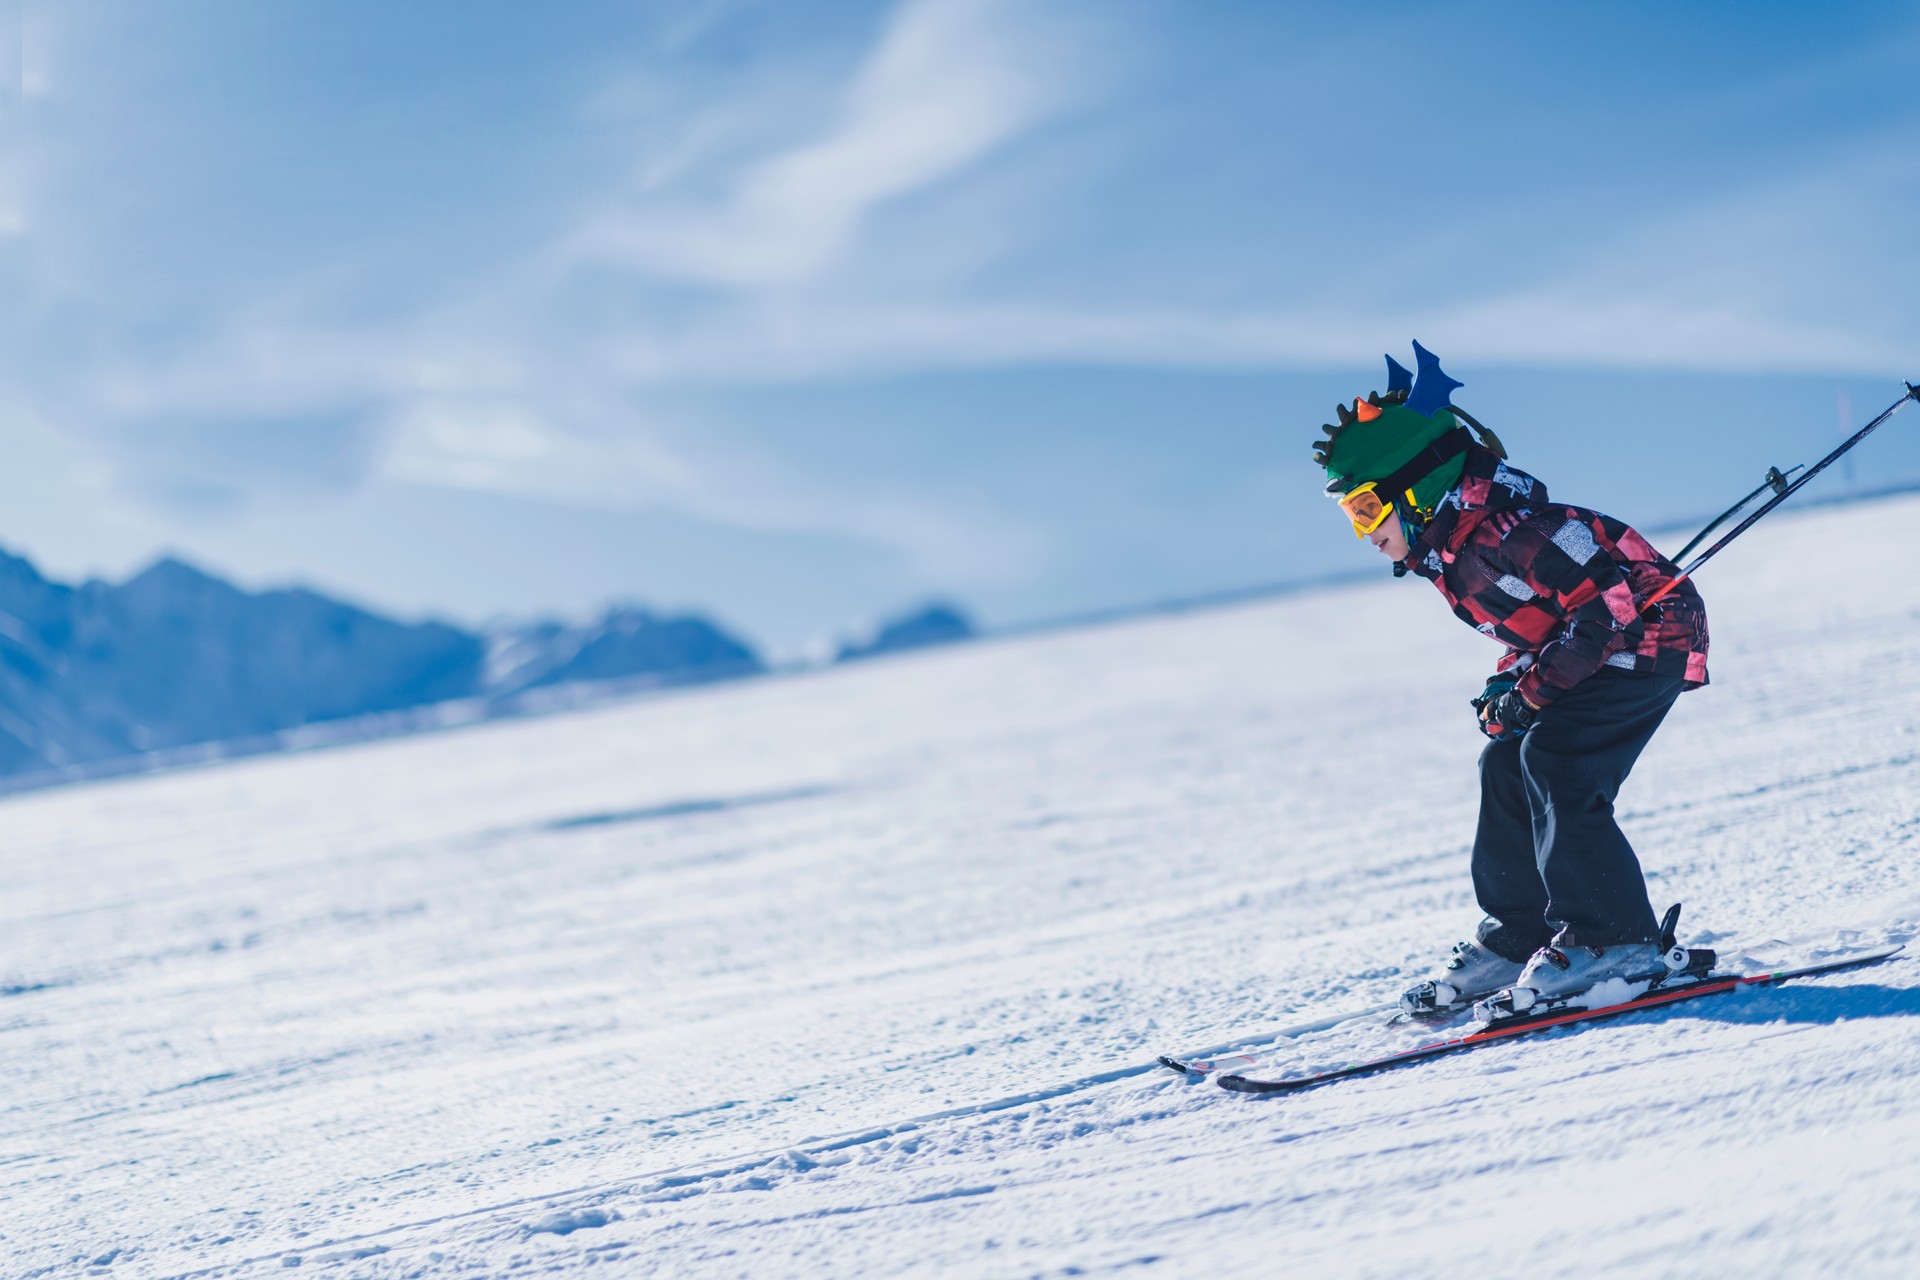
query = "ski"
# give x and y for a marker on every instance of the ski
(1242, 1055)
(1525, 1024)
(1250, 1051)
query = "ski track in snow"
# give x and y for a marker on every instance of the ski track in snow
(860, 972)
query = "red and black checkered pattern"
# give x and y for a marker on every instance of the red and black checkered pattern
(1561, 586)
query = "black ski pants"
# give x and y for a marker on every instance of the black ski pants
(1549, 862)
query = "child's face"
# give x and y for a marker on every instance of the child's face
(1390, 538)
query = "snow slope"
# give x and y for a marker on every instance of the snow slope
(857, 973)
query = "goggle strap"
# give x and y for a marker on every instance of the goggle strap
(1433, 457)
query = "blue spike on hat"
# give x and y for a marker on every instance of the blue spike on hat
(1398, 379)
(1434, 389)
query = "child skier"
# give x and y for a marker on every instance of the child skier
(1589, 674)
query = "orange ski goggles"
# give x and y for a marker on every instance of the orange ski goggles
(1365, 507)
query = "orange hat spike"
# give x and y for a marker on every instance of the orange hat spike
(1364, 411)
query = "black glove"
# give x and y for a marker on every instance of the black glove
(1497, 683)
(1507, 716)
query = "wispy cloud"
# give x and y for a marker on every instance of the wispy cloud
(1801, 270)
(949, 82)
(533, 448)
(18, 85)
(709, 262)
(509, 390)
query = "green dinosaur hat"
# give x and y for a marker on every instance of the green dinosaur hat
(1383, 434)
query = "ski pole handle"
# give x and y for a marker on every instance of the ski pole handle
(1781, 495)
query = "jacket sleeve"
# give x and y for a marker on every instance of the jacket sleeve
(1556, 553)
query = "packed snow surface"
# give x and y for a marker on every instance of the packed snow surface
(862, 972)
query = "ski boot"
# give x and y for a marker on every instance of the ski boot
(1471, 971)
(1586, 977)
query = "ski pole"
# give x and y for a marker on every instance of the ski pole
(1776, 481)
(1780, 496)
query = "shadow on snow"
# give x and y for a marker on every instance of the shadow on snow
(1808, 1004)
(680, 809)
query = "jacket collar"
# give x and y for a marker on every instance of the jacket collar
(1487, 485)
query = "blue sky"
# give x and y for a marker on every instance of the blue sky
(798, 313)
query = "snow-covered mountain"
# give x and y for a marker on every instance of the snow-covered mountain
(923, 628)
(623, 644)
(860, 972)
(176, 657)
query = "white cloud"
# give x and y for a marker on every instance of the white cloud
(1765, 278)
(517, 388)
(1549, 326)
(523, 448)
(949, 82)
(519, 445)
(1803, 271)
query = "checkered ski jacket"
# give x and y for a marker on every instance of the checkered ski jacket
(1562, 587)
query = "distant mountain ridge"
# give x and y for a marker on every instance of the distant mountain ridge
(175, 657)
(625, 642)
(934, 624)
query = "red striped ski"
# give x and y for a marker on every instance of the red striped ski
(1510, 1028)
(1243, 1055)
